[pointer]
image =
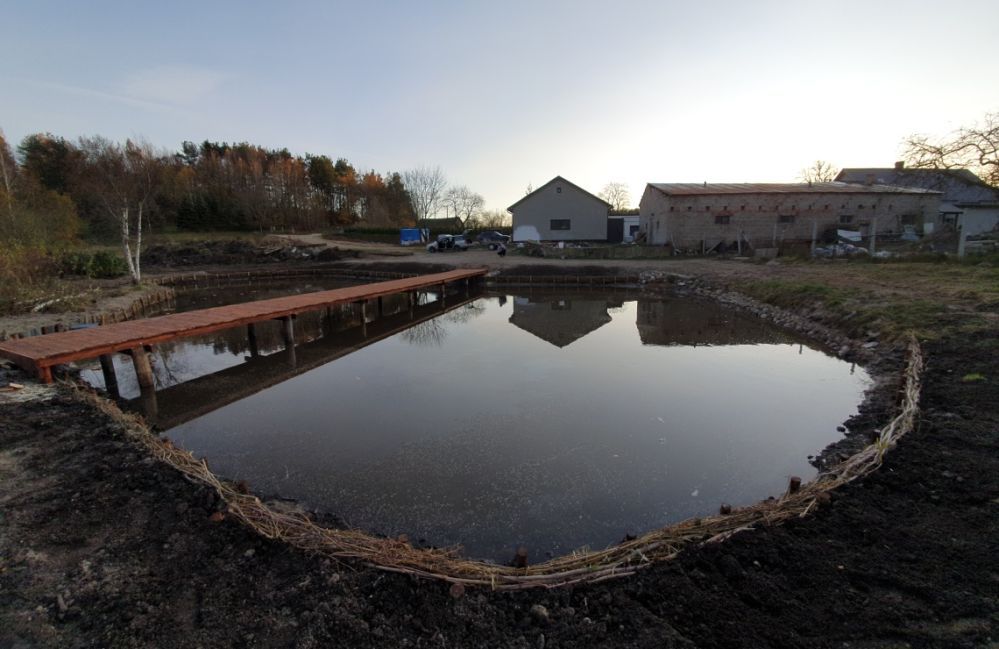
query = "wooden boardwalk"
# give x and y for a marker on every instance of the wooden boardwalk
(39, 354)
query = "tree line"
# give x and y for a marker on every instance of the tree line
(54, 190)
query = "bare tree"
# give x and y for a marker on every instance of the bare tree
(426, 187)
(973, 147)
(465, 203)
(820, 171)
(8, 167)
(124, 179)
(617, 195)
(494, 219)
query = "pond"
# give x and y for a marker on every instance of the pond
(552, 420)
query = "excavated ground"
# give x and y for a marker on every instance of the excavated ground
(101, 546)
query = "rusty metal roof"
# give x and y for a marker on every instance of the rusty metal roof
(710, 189)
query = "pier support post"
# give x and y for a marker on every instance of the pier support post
(251, 336)
(443, 294)
(288, 331)
(143, 369)
(381, 306)
(110, 378)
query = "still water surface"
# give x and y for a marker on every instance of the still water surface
(550, 420)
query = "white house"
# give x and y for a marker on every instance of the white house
(966, 197)
(560, 211)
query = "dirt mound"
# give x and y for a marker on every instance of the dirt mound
(236, 252)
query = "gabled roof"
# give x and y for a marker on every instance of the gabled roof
(712, 189)
(957, 185)
(563, 180)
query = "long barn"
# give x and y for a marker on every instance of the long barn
(704, 215)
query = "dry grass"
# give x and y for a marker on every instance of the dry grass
(446, 564)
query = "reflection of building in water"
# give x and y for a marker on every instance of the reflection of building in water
(560, 320)
(691, 322)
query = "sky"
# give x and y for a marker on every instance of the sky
(503, 95)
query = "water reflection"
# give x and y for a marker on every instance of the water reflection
(615, 415)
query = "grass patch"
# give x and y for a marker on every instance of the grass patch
(973, 377)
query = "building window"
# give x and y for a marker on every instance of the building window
(786, 218)
(760, 208)
(827, 206)
(722, 219)
(671, 208)
(845, 218)
(725, 208)
(560, 224)
(890, 206)
(743, 208)
(558, 190)
(690, 207)
(707, 208)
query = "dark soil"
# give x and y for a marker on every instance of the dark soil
(101, 546)
(235, 252)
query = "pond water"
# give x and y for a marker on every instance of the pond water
(552, 420)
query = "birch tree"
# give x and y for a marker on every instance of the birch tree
(8, 167)
(124, 180)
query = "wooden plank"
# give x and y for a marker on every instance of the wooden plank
(42, 352)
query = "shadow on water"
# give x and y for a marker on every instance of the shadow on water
(550, 418)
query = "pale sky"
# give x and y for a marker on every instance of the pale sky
(506, 94)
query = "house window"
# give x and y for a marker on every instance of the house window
(786, 218)
(707, 208)
(845, 218)
(722, 219)
(743, 208)
(670, 208)
(827, 206)
(690, 207)
(560, 224)
(860, 207)
(759, 209)
(558, 190)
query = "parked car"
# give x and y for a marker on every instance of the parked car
(445, 242)
(493, 239)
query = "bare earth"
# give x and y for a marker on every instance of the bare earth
(101, 546)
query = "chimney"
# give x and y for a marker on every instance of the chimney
(900, 165)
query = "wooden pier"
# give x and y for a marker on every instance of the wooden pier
(39, 354)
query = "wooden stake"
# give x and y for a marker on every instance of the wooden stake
(725, 509)
(520, 559)
(793, 485)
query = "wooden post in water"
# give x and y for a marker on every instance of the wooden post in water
(110, 378)
(143, 370)
(251, 336)
(288, 331)
(443, 294)
(381, 306)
